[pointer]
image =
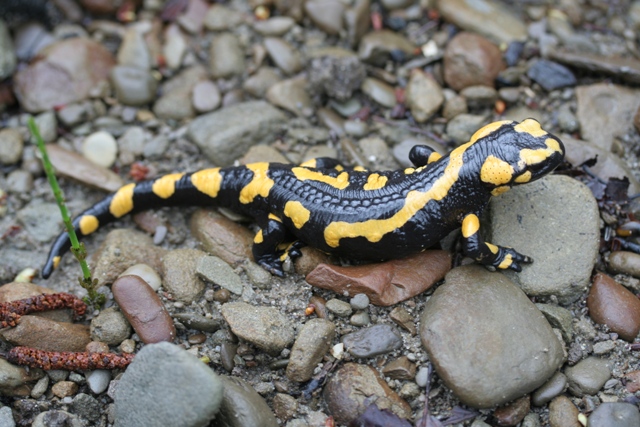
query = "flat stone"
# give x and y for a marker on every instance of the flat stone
(221, 237)
(265, 327)
(588, 376)
(376, 46)
(325, 14)
(615, 414)
(312, 343)
(226, 57)
(624, 68)
(291, 94)
(215, 270)
(613, 305)
(283, 55)
(179, 268)
(385, 283)
(47, 334)
(548, 391)
(338, 307)
(556, 222)
(400, 369)
(274, 26)
(242, 406)
(423, 95)
(372, 341)
(551, 75)
(379, 91)
(403, 319)
(74, 166)
(509, 338)
(563, 413)
(41, 220)
(625, 262)
(559, 318)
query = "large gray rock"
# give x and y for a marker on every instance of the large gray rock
(227, 134)
(166, 386)
(487, 341)
(242, 406)
(556, 222)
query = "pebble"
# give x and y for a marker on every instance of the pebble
(121, 249)
(19, 182)
(603, 347)
(175, 101)
(225, 135)
(11, 146)
(325, 14)
(559, 318)
(454, 106)
(275, 26)
(146, 273)
(563, 413)
(47, 418)
(193, 17)
(400, 369)
(283, 55)
(228, 352)
(48, 126)
(174, 47)
(339, 307)
(350, 390)
(477, 97)
(143, 309)
(548, 391)
(474, 16)
(379, 91)
(376, 47)
(15, 379)
(384, 283)
(86, 64)
(357, 21)
(361, 318)
(206, 96)
(39, 389)
(215, 270)
(331, 120)
(588, 376)
(551, 75)
(499, 309)
(567, 120)
(311, 345)
(320, 306)
(8, 58)
(615, 414)
(562, 216)
(242, 406)
(258, 84)
(133, 51)
(284, 406)
(101, 148)
(72, 165)
(336, 75)
(372, 341)
(180, 276)
(133, 86)
(47, 334)
(146, 393)
(423, 95)
(198, 322)
(625, 262)
(403, 319)
(110, 326)
(220, 18)
(613, 305)
(359, 302)
(265, 327)
(291, 95)
(64, 388)
(221, 237)
(469, 60)
(98, 380)
(510, 415)
(263, 153)
(226, 57)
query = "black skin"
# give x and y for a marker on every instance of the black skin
(326, 213)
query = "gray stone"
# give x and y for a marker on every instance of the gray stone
(508, 337)
(215, 270)
(8, 58)
(11, 145)
(13, 378)
(312, 343)
(165, 385)
(133, 86)
(6, 417)
(110, 326)
(179, 272)
(41, 220)
(175, 101)
(242, 406)
(86, 407)
(226, 57)
(291, 94)
(560, 318)
(226, 134)
(19, 181)
(463, 126)
(339, 308)
(376, 46)
(56, 418)
(552, 388)
(98, 380)
(283, 55)
(258, 84)
(265, 327)
(379, 91)
(615, 414)
(588, 376)
(423, 95)
(372, 341)
(555, 221)
(359, 302)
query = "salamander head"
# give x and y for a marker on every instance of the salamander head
(515, 153)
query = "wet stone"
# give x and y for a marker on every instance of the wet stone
(588, 376)
(265, 327)
(551, 75)
(180, 277)
(227, 354)
(563, 413)
(549, 390)
(339, 307)
(511, 414)
(110, 326)
(423, 95)
(615, 414)
(312, 343)
(500, 310)
(215, 270)
(242, 406)
(400, 369)
(372, 341)
(469, 60)
(612, 304)
(625, 262)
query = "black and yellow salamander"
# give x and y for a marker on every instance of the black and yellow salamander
(354, 213)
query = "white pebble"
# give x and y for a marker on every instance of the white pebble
(146, 273)
(98, 380)
(101, 148)
(422, 376)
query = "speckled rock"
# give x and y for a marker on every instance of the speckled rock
(312, 343)
(509, 338)
(110, 326)
(221, 237)
(265, 327)
(469, 60)
(423, 95)
(615, 414)
(337, 76)
(556, 222)
(372, 341)
(588, 376)
(613, 305)
(179, 272)
(242, 406)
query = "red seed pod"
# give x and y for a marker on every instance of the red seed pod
(66, 360)
(10, 312)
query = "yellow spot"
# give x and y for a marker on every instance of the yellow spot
(260, 184)
(470, 225)
(339, 168)
(493, 248)
(340, 182)
(409, 171)
(56, 261)
(530, 156)
(165, 186)
(258, 238)
(207, 181)
(375, 182)
(496, 171)
(489, 129)
(500, 190)
(273, 217)
(434, 157)
(311, 163)
(530, 126)
(506, 262)
(122, 202)
(359, 169)
(525, 177)
(298, 213)
(88, 224)
(374, 229)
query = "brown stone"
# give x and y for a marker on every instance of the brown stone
(100, 7)
(222, 237)
(46, 334)
(400, 369)
(64, 388)
(284, 406)
(79, 168)
(309, 260)
(320, 306)
(312, 343)
(403, 319)
(469, 60)
(350, 391)
(636, 120)
(613, 305)
(633, 381)
(20, 290)
(143, 309)
(511, 414)
(385, 283)
(625, 262)
(563, 413)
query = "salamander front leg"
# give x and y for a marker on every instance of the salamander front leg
(268, 248)
(422, 155)
(493, 256)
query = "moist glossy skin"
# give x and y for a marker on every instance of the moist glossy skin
(355, 213)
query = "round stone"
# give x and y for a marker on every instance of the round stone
(101, 148)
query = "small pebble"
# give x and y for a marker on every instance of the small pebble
(98, 380)
(359, 302)
(146, 273)
(11, 146)
(360, 319)
(64, 388)
(101, 148)
(339, 307)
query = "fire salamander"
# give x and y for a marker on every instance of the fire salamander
(354, 213)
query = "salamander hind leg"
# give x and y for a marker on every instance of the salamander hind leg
(493, 256)
(269, 251)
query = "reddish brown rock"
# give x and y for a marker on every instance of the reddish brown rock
(309, 260)
(46, 334)
(511, 414)
(385, 283)
(613, 305)
(470, 60)
(633, 381)
(222, 237)
(353, 387)
(79, 168)
(62, 73)
(403, 319)
(563, 413)
(319, 305)
(400, 369)
(143, 309)
(101, 7)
